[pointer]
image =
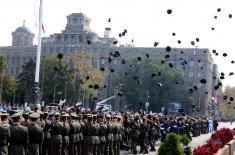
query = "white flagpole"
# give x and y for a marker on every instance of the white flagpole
(38, 58)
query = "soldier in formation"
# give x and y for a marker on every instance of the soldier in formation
(85, 133)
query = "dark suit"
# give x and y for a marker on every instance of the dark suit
(35, 139)
(4, 138)
(56, 138)
(18, 140)
(89, 137)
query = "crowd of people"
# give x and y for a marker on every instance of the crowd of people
(72, 131)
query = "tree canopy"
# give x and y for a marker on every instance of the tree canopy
(151, 79)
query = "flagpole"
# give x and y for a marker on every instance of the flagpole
(38, 58)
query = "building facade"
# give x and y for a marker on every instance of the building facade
(195, 63)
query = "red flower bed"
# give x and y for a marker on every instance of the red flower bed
(217, 141)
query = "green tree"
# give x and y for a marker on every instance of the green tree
(9, 88)
(151, 78)
(69, 78)
(24, 92)
(227, 103)
(3, 66)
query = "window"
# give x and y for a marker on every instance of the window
(65, 50)
(44, 49)
(72, 49)
(190, 74)
(73, 39)
(58, 49)
(13, 60)
(102, 61)
(75, 20)
(51, 50)
(80, 39)
(199, 74)
(65, 39)
(59, 39)
(191, 63)
(115, 62)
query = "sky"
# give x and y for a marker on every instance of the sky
(147, 21)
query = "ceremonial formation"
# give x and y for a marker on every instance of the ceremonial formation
(73, 131)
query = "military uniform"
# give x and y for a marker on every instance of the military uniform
(4, 137)
(46, 132)
(109, 139)
(65, 137)
(35, 137)
(18, 140)
(56, 137)
(73, 137)
(143, 137)
(102, 132)
(80, 126)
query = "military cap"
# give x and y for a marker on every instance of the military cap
(4, 113)
(64, 115)
(34, 115)
(89, 115)
(73, 115)
(18, 114)
(40, 112)
(50, 113)
(108, 116)
(57, 114)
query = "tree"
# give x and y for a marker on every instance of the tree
(9, 88)
(227, 103)
(70, 78)
(150, 79)
(3, 66)
(24, 92)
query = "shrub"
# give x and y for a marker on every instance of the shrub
(171, 146)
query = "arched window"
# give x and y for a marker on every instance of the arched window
(73, 39)
(59, 39)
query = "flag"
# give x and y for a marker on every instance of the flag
(36, 14)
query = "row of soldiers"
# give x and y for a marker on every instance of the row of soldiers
(72, 133)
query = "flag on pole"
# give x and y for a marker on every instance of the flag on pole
(36, 15)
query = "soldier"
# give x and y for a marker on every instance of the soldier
(120, 134)
(46, 133)
(96, 135)
(4, 134)
(26, 122)
(116, 130)
(19, 136)
(65, 133)
(102, 132)
(35, 135)
(89, 135)
(109, 136)
(134, 134)
(56, 137)
(143, 137)
(72, 134)
(80, 126)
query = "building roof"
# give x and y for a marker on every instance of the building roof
(23, 29)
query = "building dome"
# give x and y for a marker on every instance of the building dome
(22, 29)
(22, 36)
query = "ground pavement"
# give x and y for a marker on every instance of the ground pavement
(196, 141)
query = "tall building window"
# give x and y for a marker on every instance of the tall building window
(115, 62)
(58, 49)
(199, 74)
(102, 61)
(75, 20)
(59, 39)
(190, 74)
(73, 39)
(191, 63)
(51, 50)
(65, 50)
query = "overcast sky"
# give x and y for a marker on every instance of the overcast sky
(146, 21)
